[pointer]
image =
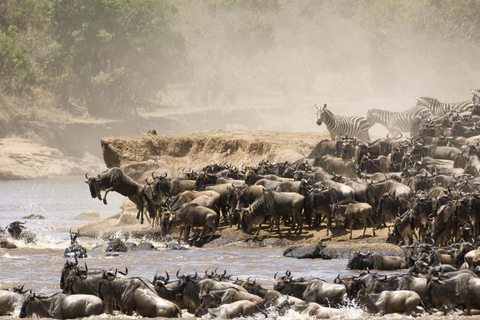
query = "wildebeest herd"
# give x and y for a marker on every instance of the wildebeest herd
(424, 187)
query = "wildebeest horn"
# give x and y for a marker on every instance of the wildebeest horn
(98, 176)
(168, 276)
(165, 175)
(86, 175)
(388, 134)
(275, 275)
(288, 273)
(178, 272)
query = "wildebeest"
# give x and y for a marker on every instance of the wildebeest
(401, 301)
(311, 289)
(403, 229)
(375, 260)
(18, 231)
(134, 295)
(170, 187)
(11, 300)
(61, 306)
(75, 249)
(115, 180)
(338, 165)
(275, 205)
(236, 309)
(447, 293)
(188, 196)
(192, 215)
(354, 211)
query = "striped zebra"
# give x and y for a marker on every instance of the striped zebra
(397, 122)
(339, 126)
(440, 108)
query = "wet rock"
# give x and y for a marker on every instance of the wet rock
(116, 245)
(175, 246)
(88, 215)
(144, 246)
(4, 243)
(112, 255)
(34, 217)
(311, 251)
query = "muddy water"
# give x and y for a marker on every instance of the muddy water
(61, 200)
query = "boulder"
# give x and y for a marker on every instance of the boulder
(310, 251)
(88, 215)
(34, 217)
(4, 243)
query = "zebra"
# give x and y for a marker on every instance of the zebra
(438, 108)
(339, 126)
(397, 122)
(476, 97)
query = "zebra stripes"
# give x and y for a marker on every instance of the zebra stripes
(440, 108)
(339, 126)
(397, 122)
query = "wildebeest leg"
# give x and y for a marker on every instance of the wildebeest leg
(277, 222)
(258, 230)
(105, 195)
(187, 233)
(180, 235)
(329, 224)
(140, 214)
(373, 226)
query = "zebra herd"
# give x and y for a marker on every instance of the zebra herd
(427, 109)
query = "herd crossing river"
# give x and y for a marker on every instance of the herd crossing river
(39, 266)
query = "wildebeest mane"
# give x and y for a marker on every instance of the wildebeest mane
(265, 203)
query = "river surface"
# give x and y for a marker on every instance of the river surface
(60, 200)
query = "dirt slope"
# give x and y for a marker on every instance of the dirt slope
(175, 153)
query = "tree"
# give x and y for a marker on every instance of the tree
(117, 53)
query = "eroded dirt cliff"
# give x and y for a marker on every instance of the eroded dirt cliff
(182, 152)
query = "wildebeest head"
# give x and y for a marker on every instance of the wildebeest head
(15, 229)
(281, 281)
(160, 185)
(204, 179)
(73, 236)
(245, 219)
(163, 280)
(67, 268)
(94, 185)
(357, 261)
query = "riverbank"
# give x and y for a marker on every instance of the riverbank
(24, 159)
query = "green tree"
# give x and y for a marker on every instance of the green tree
(116, 54)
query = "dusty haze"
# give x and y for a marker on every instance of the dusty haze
(352, 55)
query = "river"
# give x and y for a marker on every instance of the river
(60, 200)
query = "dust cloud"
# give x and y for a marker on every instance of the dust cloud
(276, 59)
